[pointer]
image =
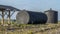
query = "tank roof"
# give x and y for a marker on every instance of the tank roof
(51, 10)
(31, 11)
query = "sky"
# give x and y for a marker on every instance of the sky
(34, 5)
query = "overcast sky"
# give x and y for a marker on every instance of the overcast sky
(35, 5)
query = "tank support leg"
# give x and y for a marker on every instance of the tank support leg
(2, 17)
(9, 17)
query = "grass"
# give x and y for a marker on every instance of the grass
(31, 29)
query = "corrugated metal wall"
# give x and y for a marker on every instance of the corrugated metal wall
(30, 17)
(52, 16)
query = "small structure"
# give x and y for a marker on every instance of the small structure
(31, 17)
(7, 9)
(52, 16)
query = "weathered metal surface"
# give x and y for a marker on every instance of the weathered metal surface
(52, 16)
(29, 17)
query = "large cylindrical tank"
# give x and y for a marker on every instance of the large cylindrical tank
(52, 16)
(29, 17)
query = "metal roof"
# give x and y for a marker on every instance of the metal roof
(51, 10)
(5, 7)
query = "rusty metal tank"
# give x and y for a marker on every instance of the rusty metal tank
(30, 17)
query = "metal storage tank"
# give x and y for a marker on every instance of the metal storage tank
(52, 16)
(29, 17)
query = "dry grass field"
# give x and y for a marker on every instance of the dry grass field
(31, 29)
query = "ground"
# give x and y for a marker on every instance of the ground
(31, 29)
